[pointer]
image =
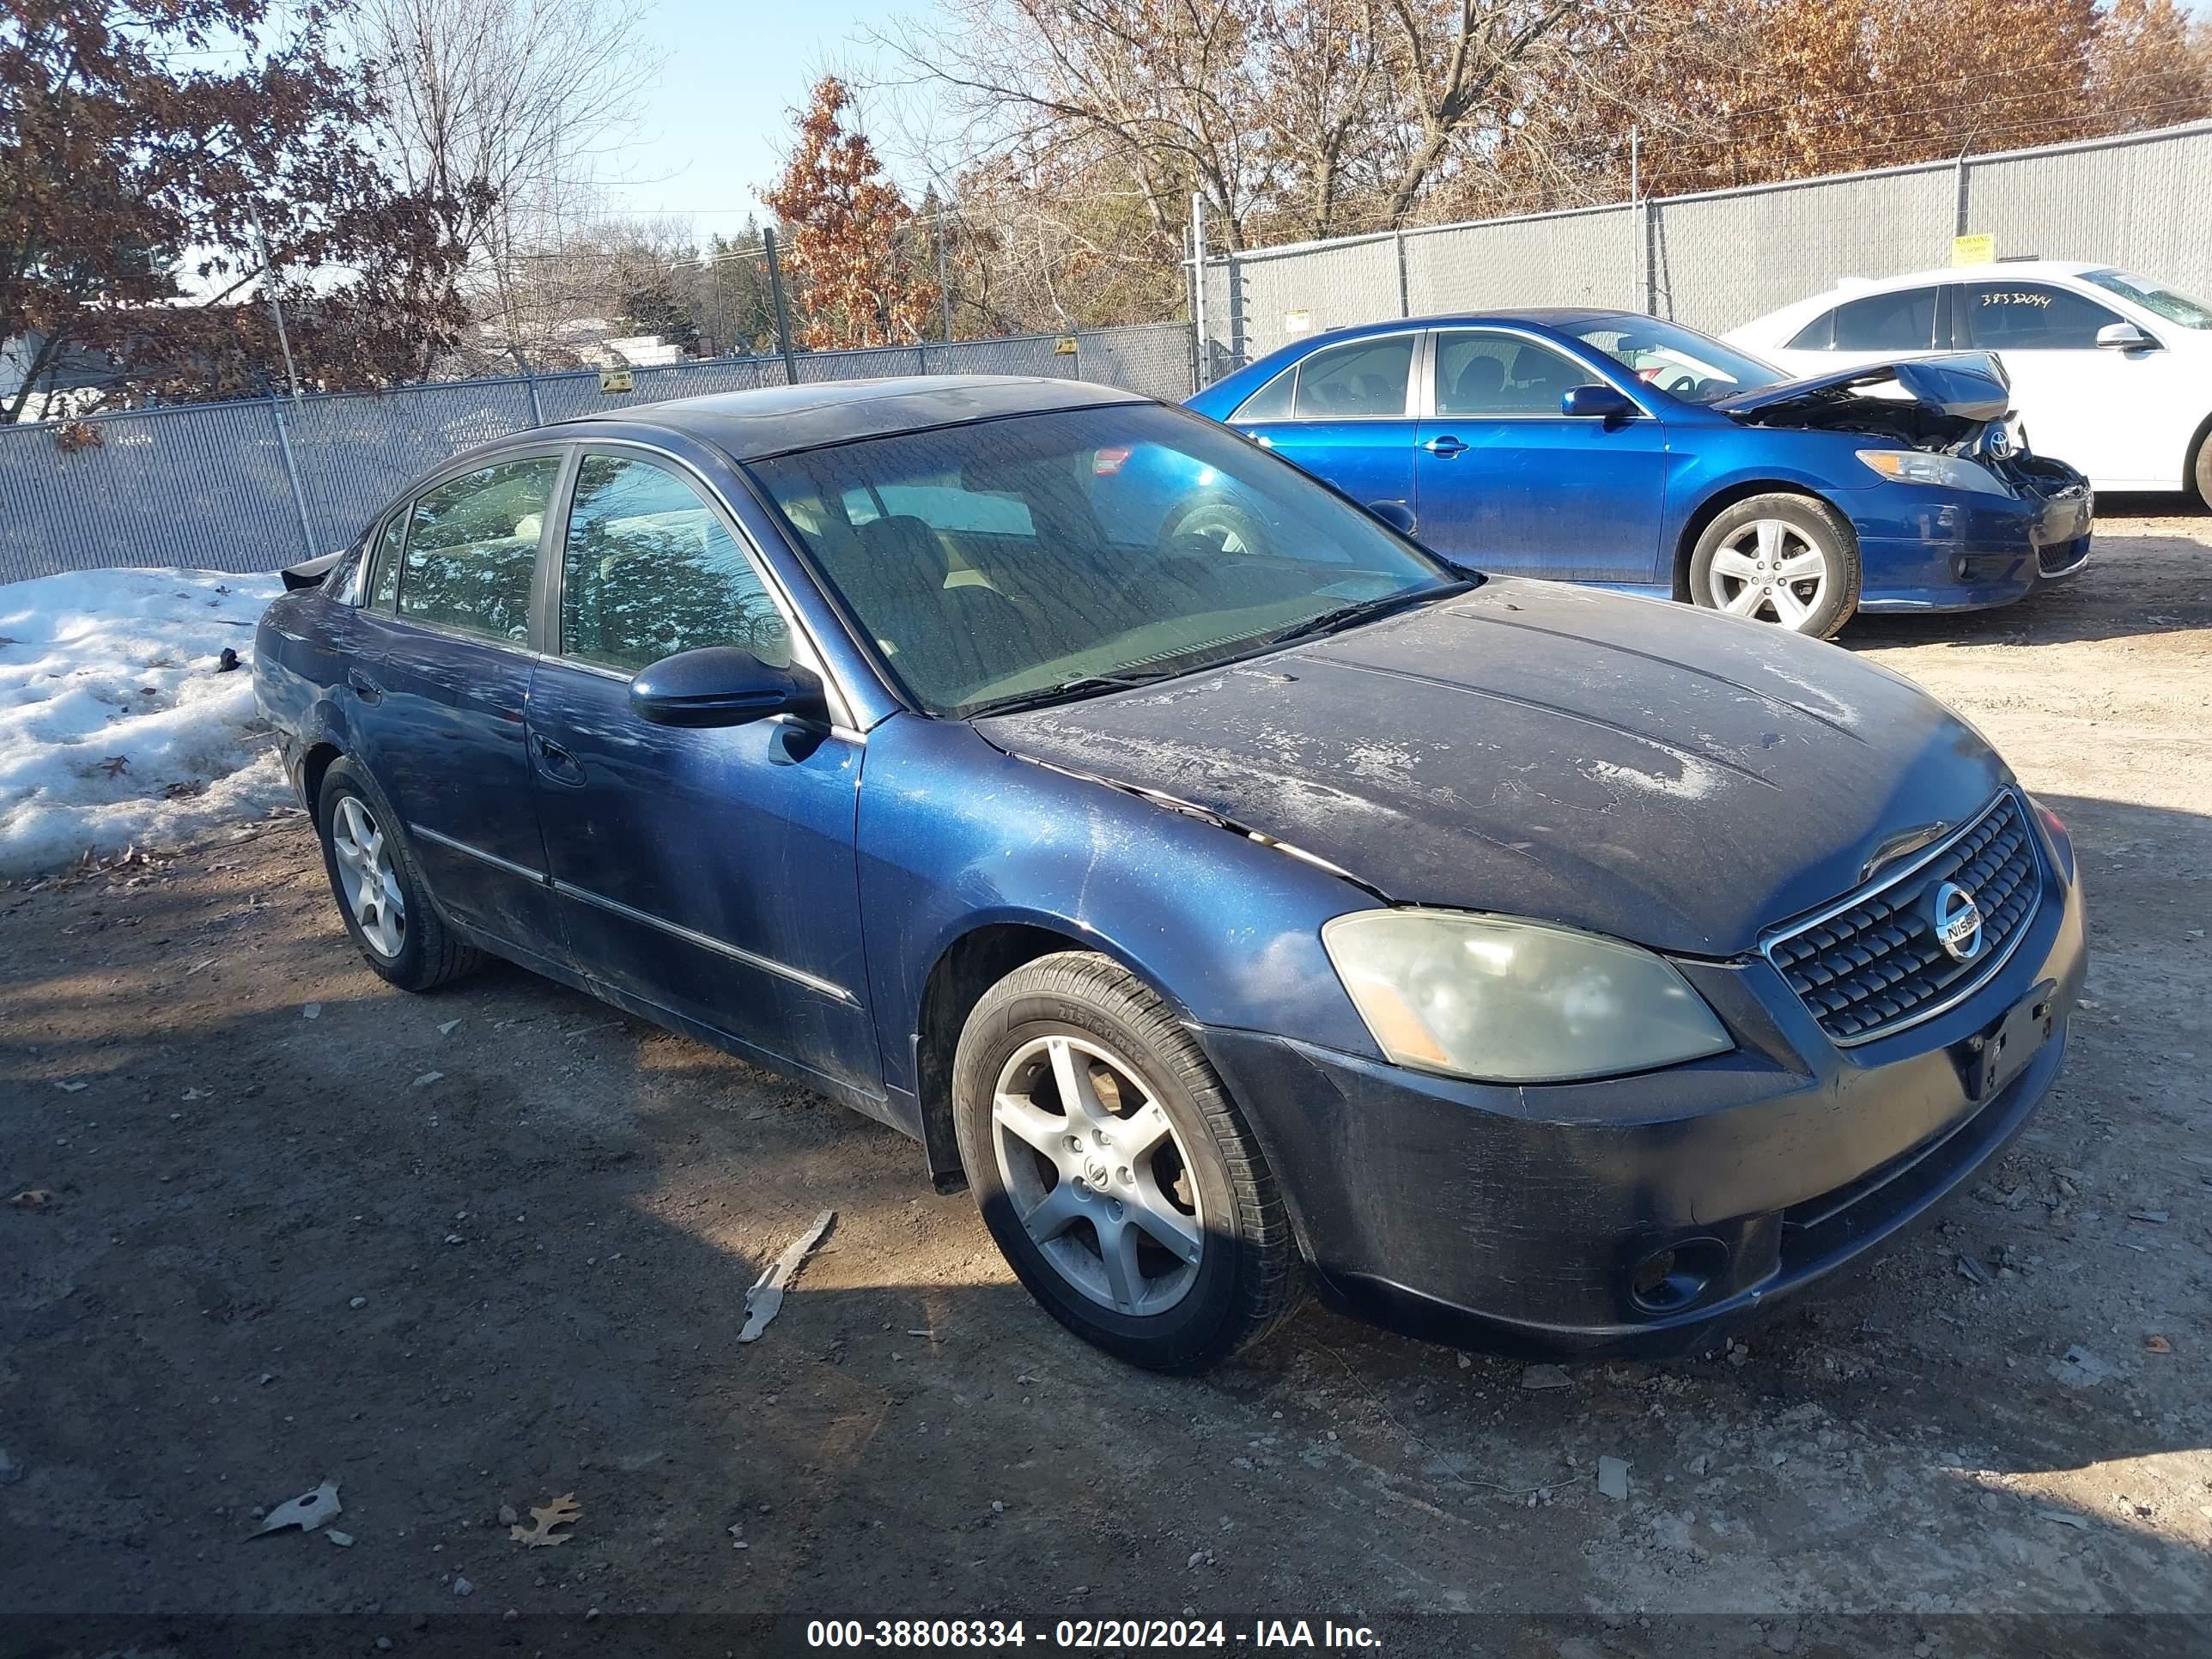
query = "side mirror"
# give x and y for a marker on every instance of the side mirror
(1396, 514)
(722, 685)
(1598, 402)
(2122, 336)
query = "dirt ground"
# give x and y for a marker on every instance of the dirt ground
(490, 1247)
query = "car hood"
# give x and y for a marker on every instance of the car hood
(1963, 386)
(1642, 769)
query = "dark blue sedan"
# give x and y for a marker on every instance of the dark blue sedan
(1612, 447)
(1540, 967)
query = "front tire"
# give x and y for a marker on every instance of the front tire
(2200, 469)
(1113, 1169)
(1782, 559)
(378, 887)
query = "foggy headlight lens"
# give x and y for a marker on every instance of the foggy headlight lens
(1916, 466)
(1514, 1001)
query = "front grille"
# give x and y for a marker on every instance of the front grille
(1872, 965)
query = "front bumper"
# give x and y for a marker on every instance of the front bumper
(1922, 549)
(1532, 1220)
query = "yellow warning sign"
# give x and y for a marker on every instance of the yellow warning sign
(1978, 249)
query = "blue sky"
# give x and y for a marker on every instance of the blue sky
(712, 134)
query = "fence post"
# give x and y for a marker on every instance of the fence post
(292, 471)
(1205, 352)
(1405, 299)
(782, 312)
(529, 382)
(1958, 189)
(944, 280)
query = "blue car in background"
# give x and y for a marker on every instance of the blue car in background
(1612, 447)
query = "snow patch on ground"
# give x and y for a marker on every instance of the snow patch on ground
(115, 726)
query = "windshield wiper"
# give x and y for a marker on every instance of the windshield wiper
(1366, 610)
(1079, 686)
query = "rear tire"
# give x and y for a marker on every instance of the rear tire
(2200, 468)
(1143, 1217)
(1780, 559)
(381, 896)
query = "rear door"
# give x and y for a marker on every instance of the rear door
(1902, 322)
(1505, 481)
(1345, 413)
(435, 694)
(708, 873)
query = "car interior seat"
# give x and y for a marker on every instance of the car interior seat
(1480, 387)
(948, 638)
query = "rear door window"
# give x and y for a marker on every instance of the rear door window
(648, 569)
(473, 548)
(1902, 321)
(2030, 317)
(1360, 380)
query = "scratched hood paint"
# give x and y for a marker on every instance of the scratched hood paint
(1647, 770)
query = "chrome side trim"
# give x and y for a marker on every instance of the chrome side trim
(493, 859)
(1985, 973)
(735, 953)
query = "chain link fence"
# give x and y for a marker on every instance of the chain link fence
(250, 486)
(1717, 260)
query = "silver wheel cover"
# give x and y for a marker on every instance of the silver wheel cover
(365, 875)
(1769, 570)
(1097, 1175)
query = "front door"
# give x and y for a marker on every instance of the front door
(1506, 482)
(1346, 415)
(2076, 401)
(436, 691)
(708, 873)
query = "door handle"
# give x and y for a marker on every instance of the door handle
(1447, 446)
(363, 687)
(554, 761)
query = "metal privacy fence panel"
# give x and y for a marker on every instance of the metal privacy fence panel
(1717, 260)
(2140, 204)
(211, 486)
(206, 487)
(1281, 297)
(1593, 257)
(357, 451)
(1720, 260)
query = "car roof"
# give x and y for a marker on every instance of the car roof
(749, 426)
(1538, 316)
(2024, 268)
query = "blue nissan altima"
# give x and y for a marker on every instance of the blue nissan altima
(1526, 964)
(1612, 447)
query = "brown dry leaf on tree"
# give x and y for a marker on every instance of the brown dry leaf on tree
(560, 1512)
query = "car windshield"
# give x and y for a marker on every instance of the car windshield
(2169, 303)
(1055, 555)
(1678, 361)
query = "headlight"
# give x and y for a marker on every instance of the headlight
(1514, 1001)
(1917, 467)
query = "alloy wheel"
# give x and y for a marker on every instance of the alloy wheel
(366, 873)
(1097, 1175)
(1771, 571)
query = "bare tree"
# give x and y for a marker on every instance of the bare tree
(513, 107)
